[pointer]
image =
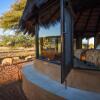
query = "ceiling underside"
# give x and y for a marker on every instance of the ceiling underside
(88, 21)
(47, 12)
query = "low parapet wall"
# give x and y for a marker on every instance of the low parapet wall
(82, 79)
(51, 70)
(38, 86)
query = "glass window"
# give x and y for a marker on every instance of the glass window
(50, 43)
(88, 43)
(88, 56)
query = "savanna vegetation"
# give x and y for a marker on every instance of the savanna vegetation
(17, 41)
(10, 84)
(10, 21)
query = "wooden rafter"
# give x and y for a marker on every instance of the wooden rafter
(98, 22)
(88, 19)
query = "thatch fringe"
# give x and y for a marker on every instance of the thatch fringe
(47, 12)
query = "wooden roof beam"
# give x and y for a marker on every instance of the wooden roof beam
(88, 19)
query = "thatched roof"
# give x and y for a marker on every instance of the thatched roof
(88, 22)
(43, 13)
(47, 12)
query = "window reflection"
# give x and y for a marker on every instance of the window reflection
(50, 43)
(88, 55)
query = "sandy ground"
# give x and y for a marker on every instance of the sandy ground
(11, 83)
(12, 91)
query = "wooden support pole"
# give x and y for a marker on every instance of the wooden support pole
(79, 42)
(57, 45)
(37, 40)
(41, 45)
(96, 41)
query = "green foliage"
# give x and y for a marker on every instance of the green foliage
(17, 41)
(10, 19)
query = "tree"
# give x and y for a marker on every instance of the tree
(10, 19)
(17, 41)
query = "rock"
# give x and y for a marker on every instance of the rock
(7, 61)
(28, 58)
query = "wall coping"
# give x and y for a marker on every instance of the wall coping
(32, 75)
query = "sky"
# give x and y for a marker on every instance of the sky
(5, 5)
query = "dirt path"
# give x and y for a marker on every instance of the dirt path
(10, 85)
(12, 91)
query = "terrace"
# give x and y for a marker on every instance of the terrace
(60, 57)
